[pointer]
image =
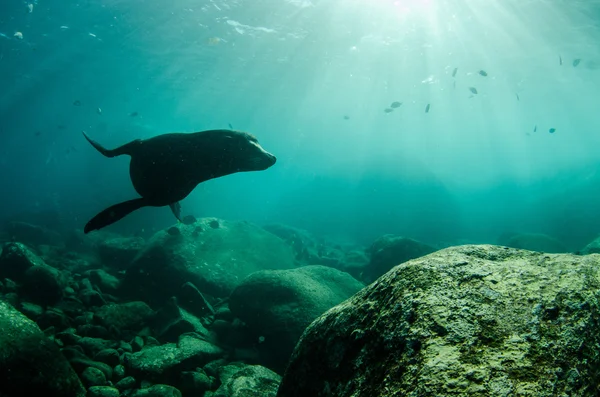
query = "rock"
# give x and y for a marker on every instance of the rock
(32, 235)
(191, 299)
(80, 363)
(225, 372)
(534, 242)
(31, 310)
(126, 383)
(172, 321)
(214, 260)
(105, 281)
(93, 346)
(389, 251)
(93, 331)
(118, 372)
(103, 391)
(279, 304)
(108, 356)
(164, 363)
(30, 363)
(251, 380)
(124, 316)
(592, 248)
(157, 391)
(118, 252)
(53, 318)
(41, 283)
(304, 245)
(68, 337)
(308, 249)
(194, 382)
(92, 298)
(93, 377)
(464, 321)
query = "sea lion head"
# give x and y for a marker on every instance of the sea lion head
(246, 153)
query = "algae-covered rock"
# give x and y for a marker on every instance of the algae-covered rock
(249, 380)
(118, 252)
(389, 251)
(278, 305)
(39, 282)
(124, 316)
(533, 242)
(214, 255)
(592, 248)
(464, 321)
(31, 363)
(164, 363)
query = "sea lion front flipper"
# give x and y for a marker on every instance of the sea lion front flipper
(176, 208)
(113, 214)
(125, 149)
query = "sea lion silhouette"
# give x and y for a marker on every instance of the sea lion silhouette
(166, 168)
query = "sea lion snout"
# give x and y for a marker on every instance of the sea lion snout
(262, 159)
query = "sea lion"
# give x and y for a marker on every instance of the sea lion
(166, 168)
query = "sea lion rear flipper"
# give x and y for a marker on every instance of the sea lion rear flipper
(113, 214)
(176, 208)
(125, 149)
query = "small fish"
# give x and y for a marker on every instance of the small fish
(99, 111)
(77, 103)
(552, 130)
(560, 60)
(473, 90)
(518, 99)
(388, 110)
(18, 35)
(454, 72)
(427, 108)
(395, 105)
(346, 117)
(38, 133)
(483, 73)
(230, 126)
(535, 129)
(576, 62)
(92, 35)
(30, 8)
(133, 114)
(64, 27)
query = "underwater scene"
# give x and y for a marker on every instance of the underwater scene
(298, 198)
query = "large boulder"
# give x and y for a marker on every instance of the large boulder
(38, 281)
(310, 250)
(389, 251)
(30, 363)
(32, 235)
(117, 252)
(277, 305)
(214, 255)
(533, 242)
(592, 248)
(464, 321)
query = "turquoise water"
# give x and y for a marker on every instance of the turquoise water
(312, 80)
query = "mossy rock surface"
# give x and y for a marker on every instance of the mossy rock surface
(464, 321)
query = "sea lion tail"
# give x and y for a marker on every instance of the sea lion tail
(113, 214)
(125, 149)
